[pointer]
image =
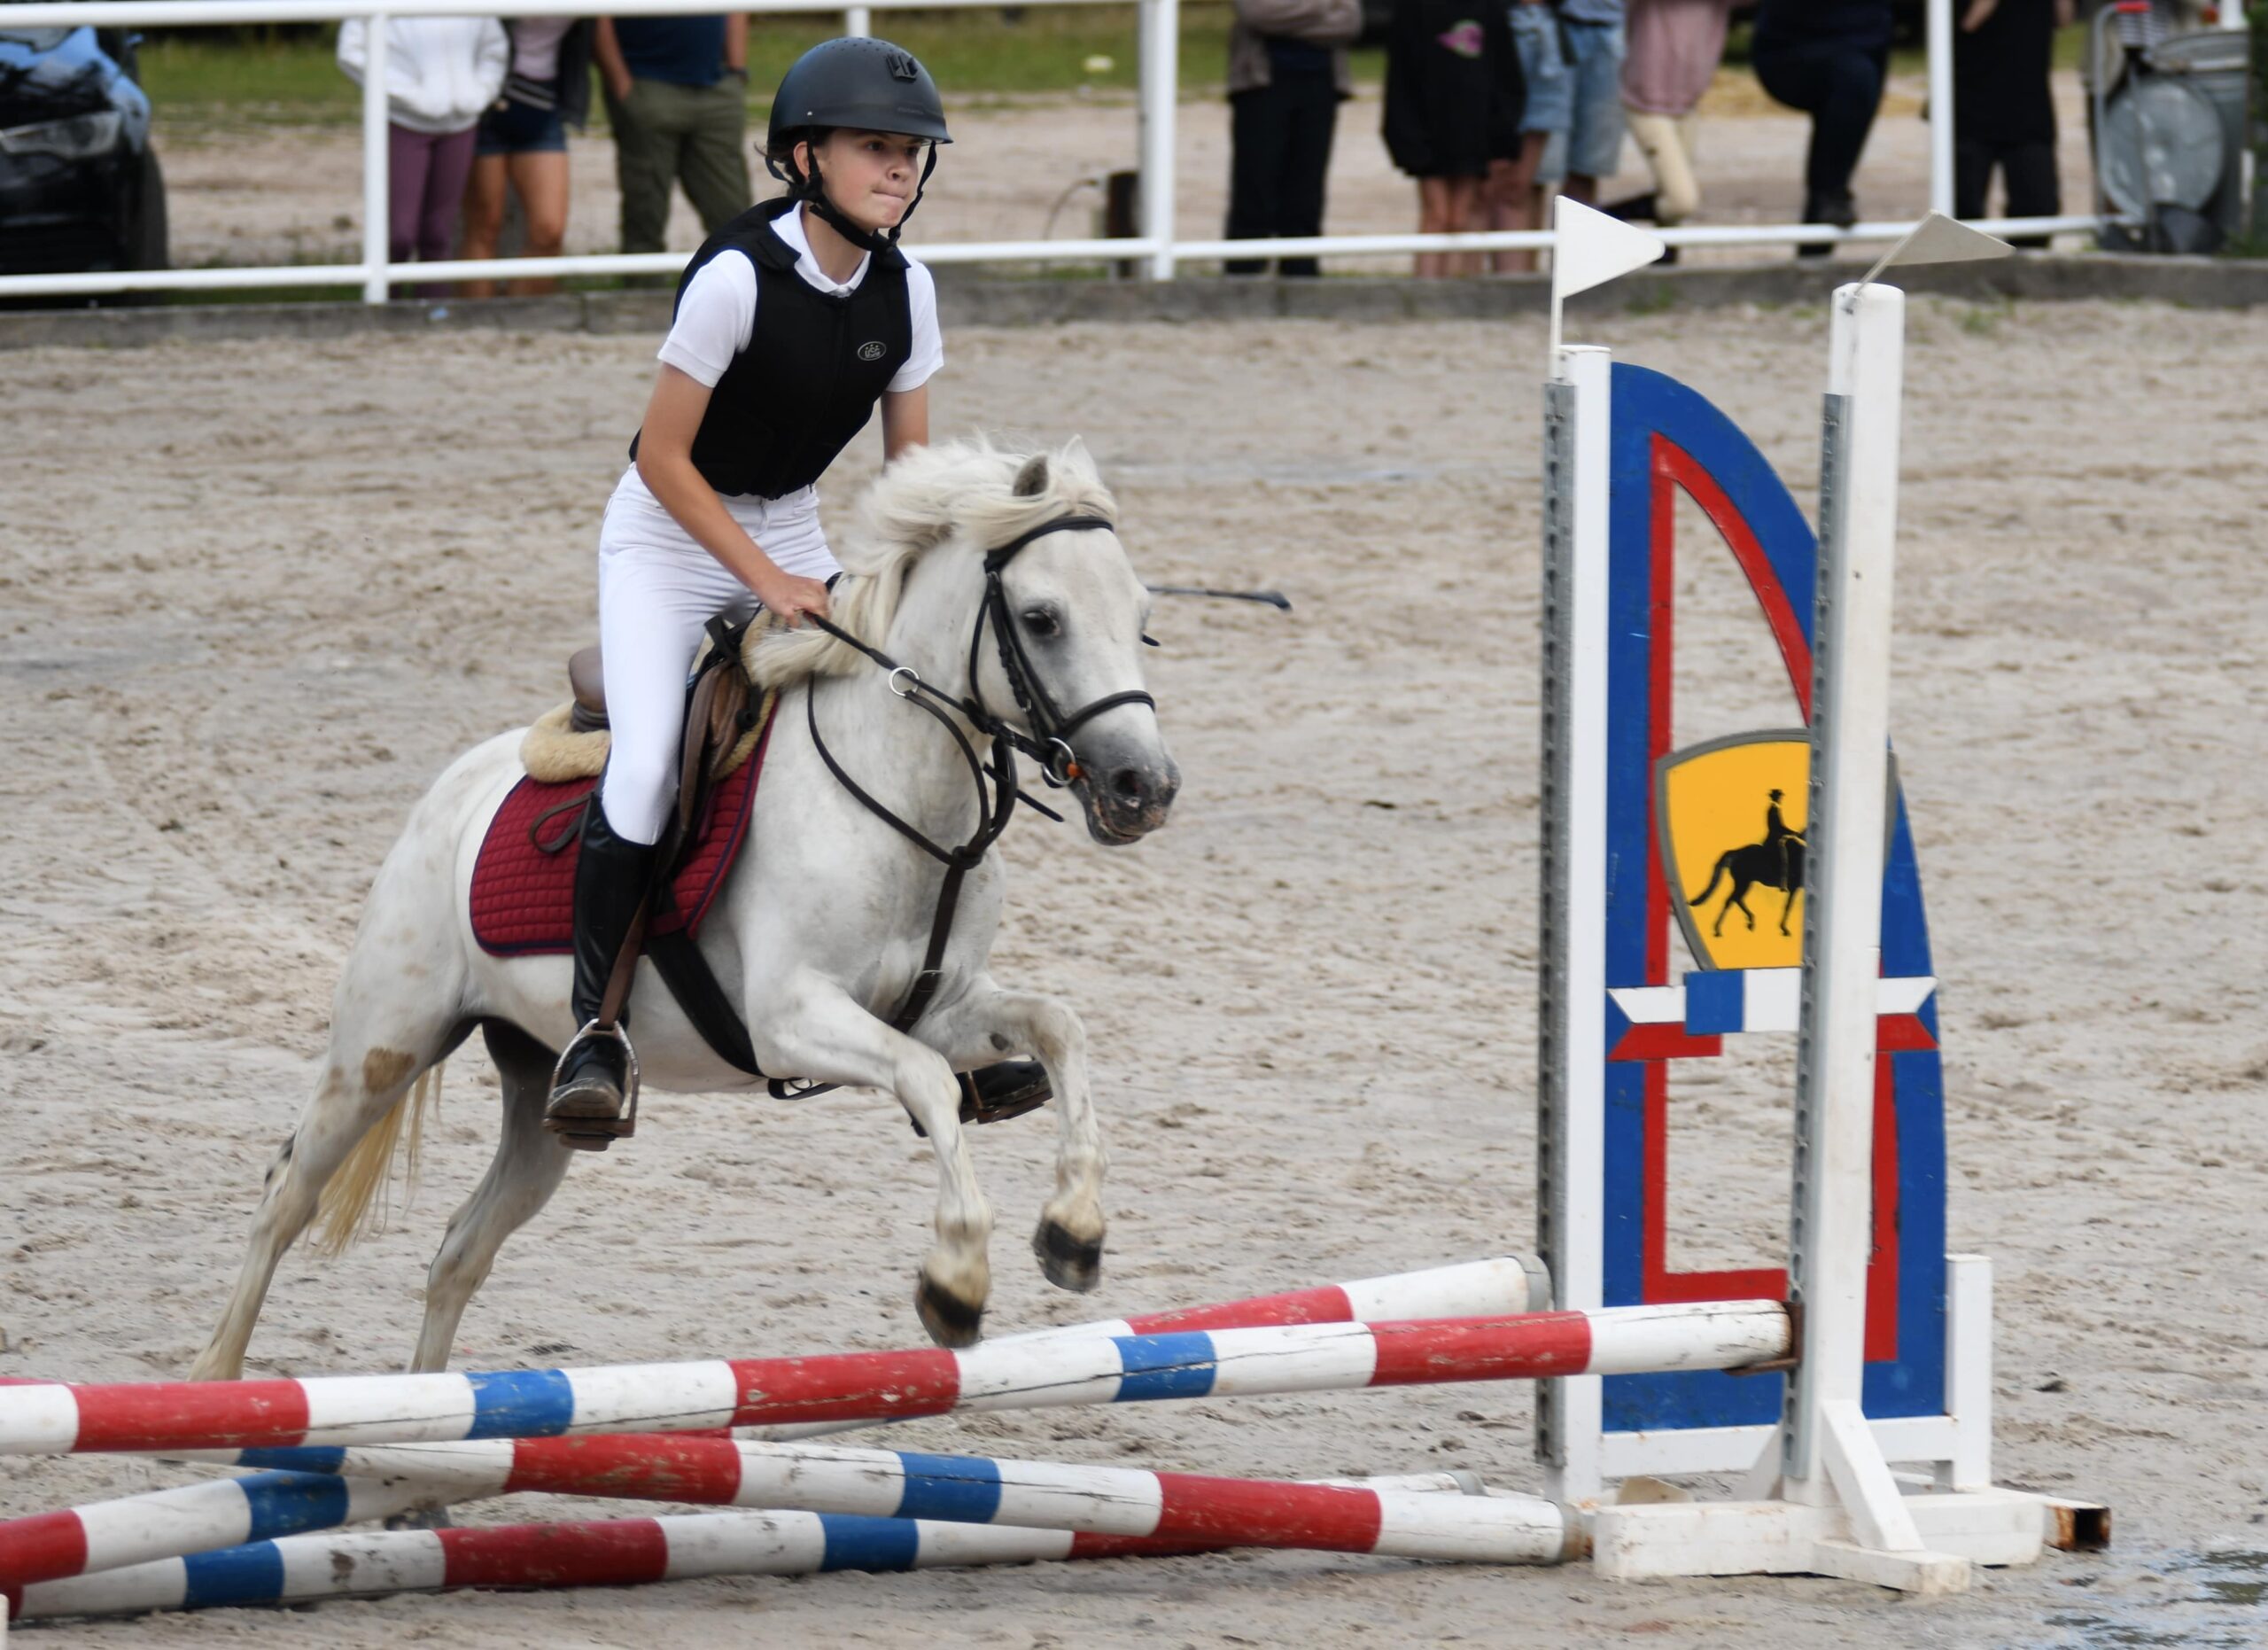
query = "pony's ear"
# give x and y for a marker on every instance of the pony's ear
(1075, 456)
(1031, 480)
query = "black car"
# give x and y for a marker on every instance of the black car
(80, 188)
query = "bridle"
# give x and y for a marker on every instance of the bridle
(1045, 738)
(1049, 742)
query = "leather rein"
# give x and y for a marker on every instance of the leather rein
(1047, 742)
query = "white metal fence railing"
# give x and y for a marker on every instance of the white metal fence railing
(1154, 246)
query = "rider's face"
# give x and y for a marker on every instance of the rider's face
(871, 177)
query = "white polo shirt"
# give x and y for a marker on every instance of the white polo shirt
(716, 318)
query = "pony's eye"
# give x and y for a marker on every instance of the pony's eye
(1039, 622)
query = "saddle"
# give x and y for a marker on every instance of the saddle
(522, 891)
(522, 898)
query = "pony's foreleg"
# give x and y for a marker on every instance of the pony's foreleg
(815, 1030)
(528, 1165)
(989, 1023)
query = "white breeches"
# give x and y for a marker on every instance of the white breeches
(658, 587)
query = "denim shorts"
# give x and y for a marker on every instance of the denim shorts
(1590, 140)
(520, 128)
(1549, 77)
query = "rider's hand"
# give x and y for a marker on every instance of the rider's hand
(791, 597)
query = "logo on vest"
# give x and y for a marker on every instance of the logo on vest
(871, 352)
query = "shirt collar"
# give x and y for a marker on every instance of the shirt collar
(789, 226)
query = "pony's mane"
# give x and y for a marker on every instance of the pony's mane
(970, 490)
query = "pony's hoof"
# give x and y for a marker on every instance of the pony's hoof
(1067, 1262)
(950, 1321)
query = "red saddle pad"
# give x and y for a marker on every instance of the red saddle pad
(524, 898)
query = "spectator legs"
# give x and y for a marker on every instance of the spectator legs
(425, 178)
(445, 179)
(1313, 117)
(712, 157)
(1513, 202)
(645, 165)
(408, 157)
(1840, 89)
(1257, 139)
(1447, 205)
(2027, 175)
(1661, 138)
(1279, 160)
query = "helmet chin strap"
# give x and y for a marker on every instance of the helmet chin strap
(812, 192)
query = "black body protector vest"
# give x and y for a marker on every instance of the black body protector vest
(814, 366)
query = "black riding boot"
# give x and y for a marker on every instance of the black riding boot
(610, 878)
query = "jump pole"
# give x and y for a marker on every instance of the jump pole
(1502, 1285)
(363, 1486)
(631, 1552)
(174, 1416)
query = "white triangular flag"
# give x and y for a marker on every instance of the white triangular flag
(1940, 239)
(1589, 249)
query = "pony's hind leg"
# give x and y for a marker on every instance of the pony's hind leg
(987, 1022)
(816, 1031)
(528, 1167)
(366, 1073)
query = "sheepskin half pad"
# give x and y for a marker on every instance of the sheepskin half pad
(524, 898)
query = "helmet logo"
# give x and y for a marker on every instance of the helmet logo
(903, 68)
(871, 352)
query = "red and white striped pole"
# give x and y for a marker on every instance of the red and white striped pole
(170, 1417)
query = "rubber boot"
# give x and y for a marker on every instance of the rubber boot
(610, 879)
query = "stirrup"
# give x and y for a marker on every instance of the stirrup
(1016, 1086)
(595, 1131)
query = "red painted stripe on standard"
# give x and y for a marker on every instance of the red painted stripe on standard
(617, 1553)
(844, 1386)
(660, 1468)
(1230, 1511)
(1326, 1305)
(1483, 1348)
(43, 1547)
(193, 1415)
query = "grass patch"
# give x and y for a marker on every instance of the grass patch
(205, 76)
(193, 75)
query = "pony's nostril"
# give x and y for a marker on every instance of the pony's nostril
(1127, 782)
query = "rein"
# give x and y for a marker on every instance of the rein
(1047, 744)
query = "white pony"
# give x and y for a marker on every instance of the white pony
(824, 922)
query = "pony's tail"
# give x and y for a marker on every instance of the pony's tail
(355, 1202)
(1715, 877)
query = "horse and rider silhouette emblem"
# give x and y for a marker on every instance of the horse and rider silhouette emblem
(1731, 816)
(1776, 862)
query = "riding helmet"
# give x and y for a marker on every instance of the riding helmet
(865, 84)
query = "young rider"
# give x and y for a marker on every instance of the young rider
(793, 322)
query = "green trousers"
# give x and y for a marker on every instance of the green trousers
(666, 133)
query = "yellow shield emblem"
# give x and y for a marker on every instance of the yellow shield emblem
(1730, 815)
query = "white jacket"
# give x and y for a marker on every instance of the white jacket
(441, 72)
